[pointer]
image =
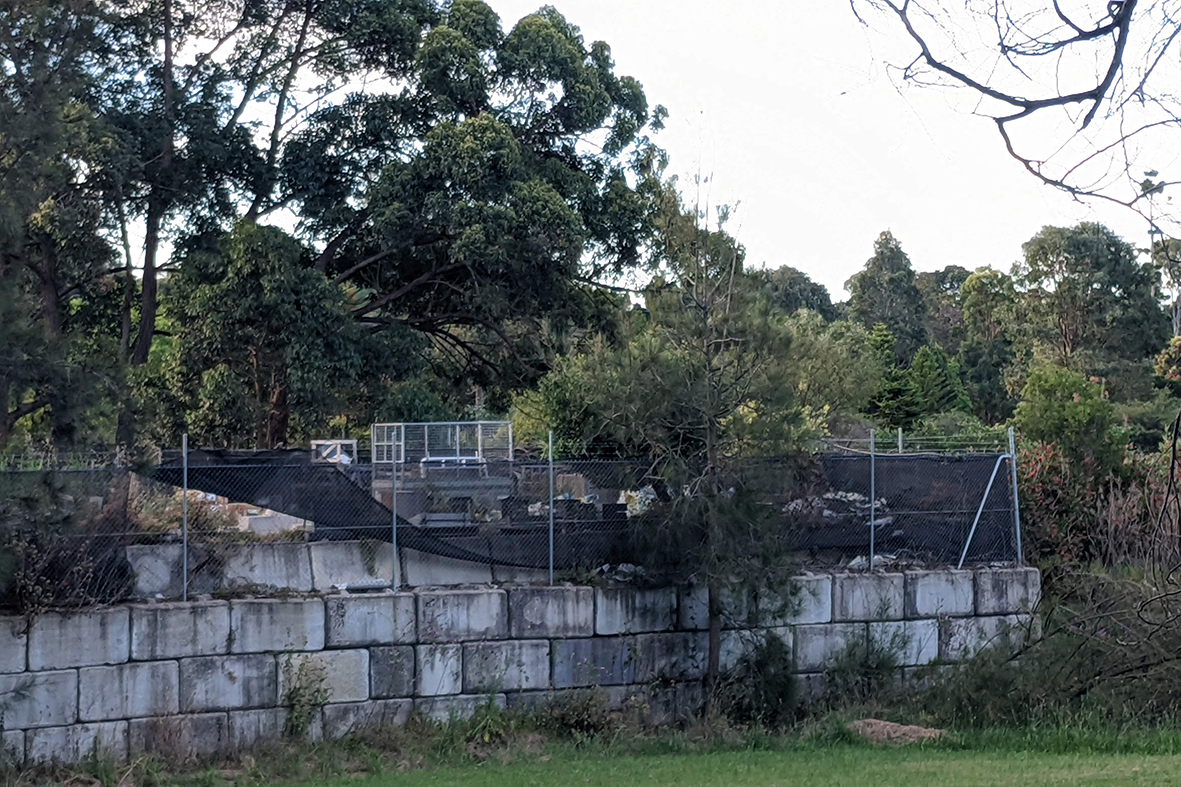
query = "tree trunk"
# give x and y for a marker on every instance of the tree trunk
(713, 662)
(278, 417)
(6, 419)
(51, 313)
(148, 296)
(1177, 317)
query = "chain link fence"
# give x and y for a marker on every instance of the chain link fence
(463, 505)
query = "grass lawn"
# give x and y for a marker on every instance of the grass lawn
(857, 766)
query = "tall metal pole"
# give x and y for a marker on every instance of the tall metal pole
(551, 506)
(1016, 502)
(873, 495)
(184, 516)
(396, 564)
(900, 439)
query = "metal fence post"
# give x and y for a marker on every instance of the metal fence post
(184, 516)
(551, 507)
(1016, 501)
(900, 439)
(396, 563)
(873, 496)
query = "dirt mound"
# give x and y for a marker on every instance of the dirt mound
(887, 732)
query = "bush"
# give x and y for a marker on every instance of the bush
(1063, 407)
(762, 689)
(580, 715)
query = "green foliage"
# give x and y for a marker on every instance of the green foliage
(935, 380)
(763, 688)
(791, 290)
(885, 292)
(945, 318)
(1063, 407)
(1083, 290)
(982, 365)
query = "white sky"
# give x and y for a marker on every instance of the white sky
(789, 107)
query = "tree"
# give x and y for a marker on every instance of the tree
(989, 301)
(1062, 407)
(885, 293)
(1100, 71)
(935, 380)
(260, 334)
(791, 290)
(1084, 292)
(941, 292)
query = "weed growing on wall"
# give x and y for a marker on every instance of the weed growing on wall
(306, 694)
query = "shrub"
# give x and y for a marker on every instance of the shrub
(762, 689)
(1063, 407)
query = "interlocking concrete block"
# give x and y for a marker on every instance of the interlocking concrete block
(940, 594)
(72, 744)
(461, 706)
(348, 718)
(461, 615)
(963, 638)
(342, 674)
(61, 641)
(693, 608)
(1005, 591)
(157, 569)
(675, 703)
(868, 597)
(913, 642)
(817, 645)
(370, 619)
(249, 728)
(738, 644)
(278, 566)
(126, 691)
(676, 656)
(12, 749)
(391, 671)
(805, 600)
(513, 665)
(272, 625)
(424, 570)
(14, 644)
(440, 670)
(601, 661)
(627, 610)
(343, 564)
(228, 683)
(514, 575)
(179, 738)
(38, 699)
(551, 612)
(175, 630)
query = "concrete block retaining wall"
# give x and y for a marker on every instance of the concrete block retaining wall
(209, 677)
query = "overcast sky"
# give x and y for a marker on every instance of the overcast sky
(797, 119)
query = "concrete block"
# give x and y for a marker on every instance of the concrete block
(868, 597)
(459, 615)
(278, 566)
(179, 738)
(12, 749)
(348, 718)
(391, 671)
(914, 642)
(817, 645)
(512, 575)
(680, 655)
(14, 644)
(60, 640)
(342, 674)
(675, 703)
(940, 594)
(370, 619)
(736, 645)
(693, 608)
(41, 699)
(551, 612)
(458, 707)
(337, 564)
(1005, 591)
(126, 691)
(805, 601)
(963, 638)
(250, 728)
(228, 683)
(627, 610)
(601, 661)
(175, 630)
(72, 744)
(270, 625)
(426, 570)
(157, 569)
(513, 665)
(440, 670)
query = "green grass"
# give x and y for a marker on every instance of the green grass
(806, 767)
